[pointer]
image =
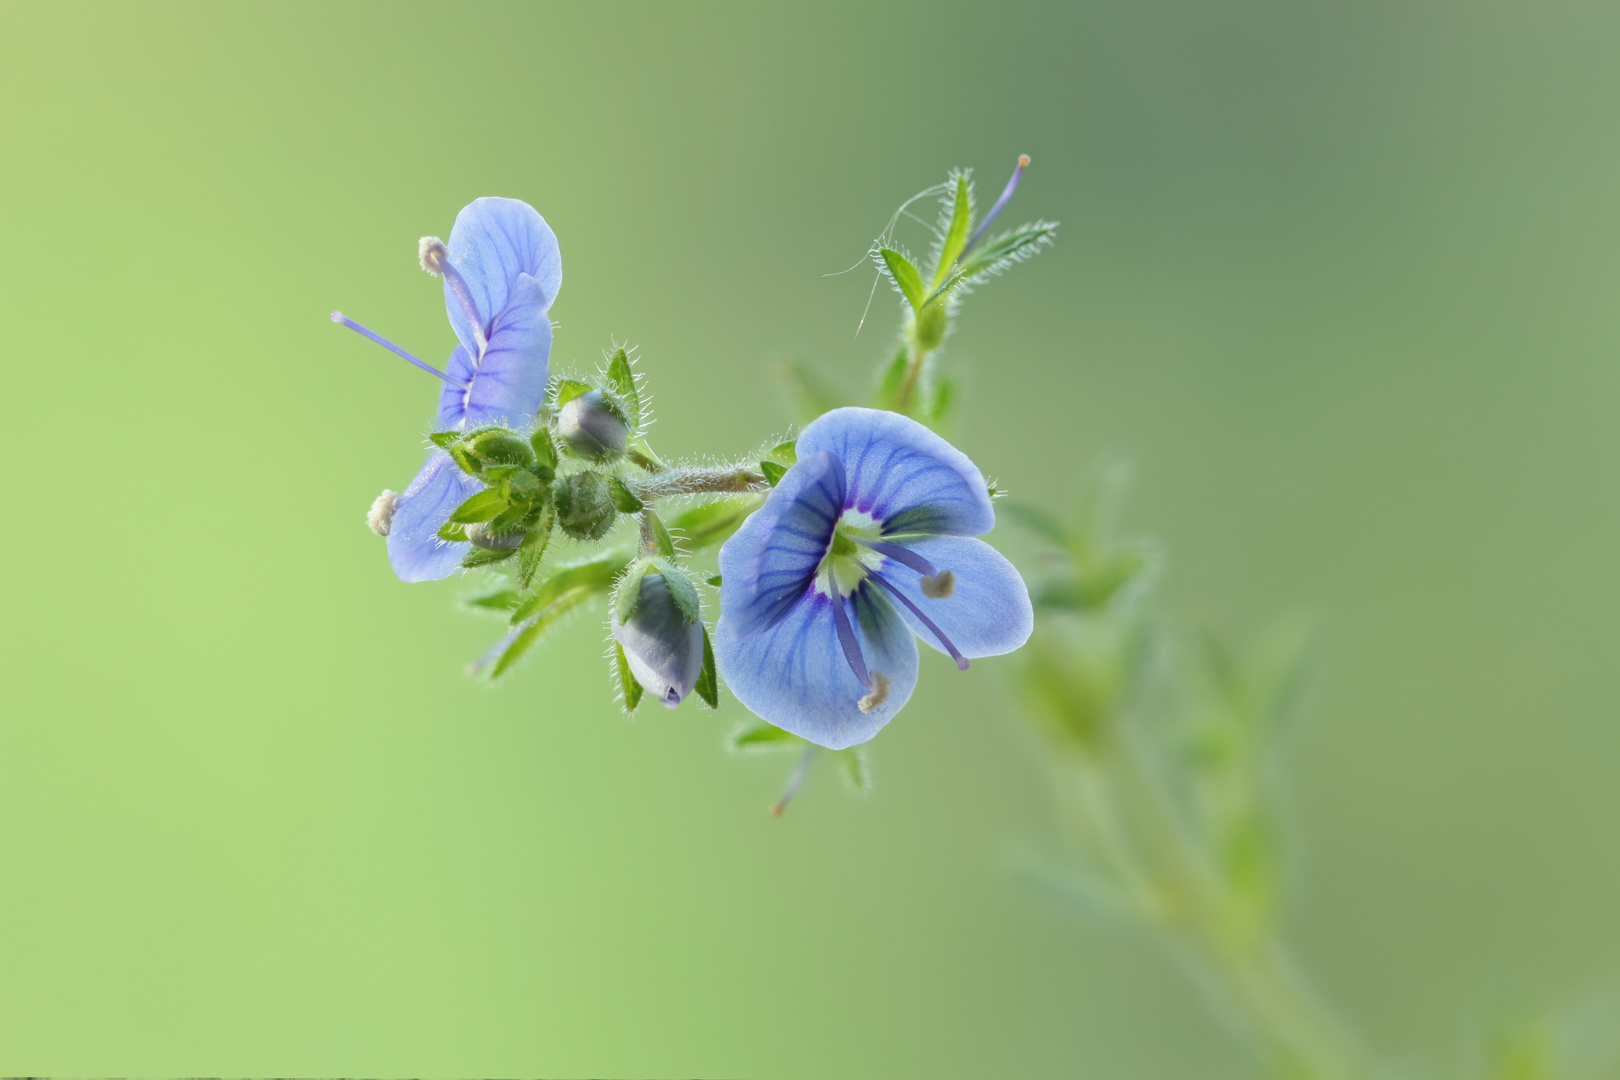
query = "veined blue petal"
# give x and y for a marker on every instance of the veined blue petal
(769, 562)
(416, 553)
(903, 474)
(508, 386)
(492, 243)
(987, 614)
(795, 676)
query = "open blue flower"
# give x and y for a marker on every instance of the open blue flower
(501, 273)
(866, 543)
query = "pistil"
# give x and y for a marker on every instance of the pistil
(339, 317)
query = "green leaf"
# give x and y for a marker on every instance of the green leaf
(713, 579)
(545, 453)
(487, 505)
(785, 453)
(629, 688)
(681, 590)
(661, 538)
(623, 381)
(452, 532)
(904, 275)
(998, 255)
(773, 472)
(763, 736)
(446, 439)
(708, 683)
(587, 578)
(623, 498)
(956, 236)
(502, 600)
(894, 379)
(711, 523)
(533, 548)
(494, 474)
(509, 520)
(567, 390)
(629, 593)
(856, 768)
(480, 557)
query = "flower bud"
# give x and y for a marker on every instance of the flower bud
(593, 427)
(500, 447)
(663, 648)
(481, 536)
(584, 502)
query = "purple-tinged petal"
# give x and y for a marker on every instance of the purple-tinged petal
(902, 474)
(508, 386)
(414, 549)
(769, 562)
(795, 675)
(493, 242)
(988, 612)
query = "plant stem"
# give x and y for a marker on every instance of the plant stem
(698, 482)
(914, 366)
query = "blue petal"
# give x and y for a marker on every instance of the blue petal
(902, 474)
(769, 562)
(509, 384)
(795, 675)
(494, 241)
(989, 612)
(413, 549)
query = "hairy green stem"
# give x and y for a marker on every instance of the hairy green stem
(675, 482)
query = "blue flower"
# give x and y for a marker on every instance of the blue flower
(865, 544)
(501, 273)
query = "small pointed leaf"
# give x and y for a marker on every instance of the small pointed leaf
(904, 275)
(484, 506)
(956, 236)
(708, 683)
(623, 380)
(629, 688)
(773, 472)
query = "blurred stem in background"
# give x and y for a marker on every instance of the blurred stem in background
(1164, 766)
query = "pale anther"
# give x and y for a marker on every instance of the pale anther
(431, 253)
(879, 694)
(938, 587)
(381, 515)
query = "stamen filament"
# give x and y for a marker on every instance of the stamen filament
(899, 554)
(458, 286)
(846, 638)
(339, 317)
(1006, 194)
(961, 661)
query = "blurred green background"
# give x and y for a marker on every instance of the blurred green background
(1338, 279)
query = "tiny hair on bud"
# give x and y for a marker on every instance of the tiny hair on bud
(431, 253)
(381, 515)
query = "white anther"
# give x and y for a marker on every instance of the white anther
(940, 586)
(381, 515)
(430, 251)
(879, 694)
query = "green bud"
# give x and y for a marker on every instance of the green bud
(584, 502)
(930, 329)
(593, 426)
(483, 536)
(500, 448)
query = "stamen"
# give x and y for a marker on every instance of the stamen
(435, 259)
(795, 781)
(380, 517)
(339, 317)
(938, 587)
(961, 661)
(899, 554)
(879, 694)
(846, 638)
(1006, 194)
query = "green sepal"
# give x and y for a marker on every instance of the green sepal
(501, 600)
(894, 379)
(444, 440)
(681, 590)
(956, 235)
(713, 580)
(708, 683)
(623, 381)
(533, 548)
(786, 453)
(494, 474)
(484, 506)
(855, 768)
(930, 326)
(904, 275)
(628, 594)
(482, 557)
(545, 453)
(567, 390)
(585, 579)
(452, 531)
(509, 520)
(523, 486)
(661, 538)
(629, 688)
(623, 497)
(938, 409)
(773, 472)
(464, 461)
(763, 736)
(996, 255)
(711, 523)
(501, 448)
